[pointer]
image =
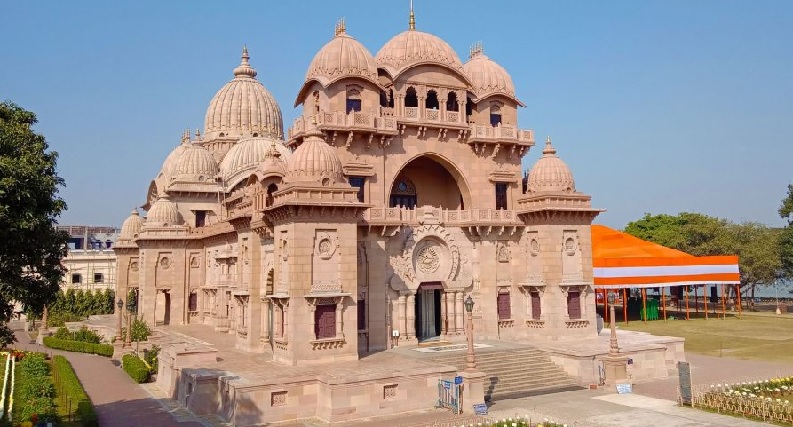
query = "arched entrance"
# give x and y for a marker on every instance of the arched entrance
(429, 180)
(428, 311)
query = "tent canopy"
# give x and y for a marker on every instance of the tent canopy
(621, 260)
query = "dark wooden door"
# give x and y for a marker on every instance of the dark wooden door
(536, 306)
(325, 324)
(504, 309)
(574, 304)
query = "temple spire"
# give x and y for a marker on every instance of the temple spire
(412, 20)
(245, 69)
(341, 27)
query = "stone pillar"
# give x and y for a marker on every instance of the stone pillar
(444, 314)
(266, 319)
(458, 312)
(410, 324)
(422, 108)
(312, 308)
(401, 322)
(461, 109)
(340, 319)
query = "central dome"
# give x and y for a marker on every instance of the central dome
(412, 48)
(243, 107)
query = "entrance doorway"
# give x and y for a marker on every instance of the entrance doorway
(428, 311)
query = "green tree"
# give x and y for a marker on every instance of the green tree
(31, 248)
(786, 236)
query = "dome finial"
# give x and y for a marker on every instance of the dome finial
(185, 136)
(476, 50)
(341, 27)
(412, 20)
(548, 150)
(245, 69)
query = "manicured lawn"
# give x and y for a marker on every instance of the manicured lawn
(759, 337)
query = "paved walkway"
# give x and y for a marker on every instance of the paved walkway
(118, 400)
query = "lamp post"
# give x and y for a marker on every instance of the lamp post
(120, 306)
(614, 348)
(128, 338)
(470, 361)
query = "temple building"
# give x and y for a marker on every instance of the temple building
(395, 195)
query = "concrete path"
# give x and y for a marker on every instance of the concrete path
(118, 400)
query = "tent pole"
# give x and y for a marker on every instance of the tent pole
(606, 305)
(723, 303)
(663, 301)
(738, 293)
(687, 316)
(705, 297)
(644, 304)
(624, 306)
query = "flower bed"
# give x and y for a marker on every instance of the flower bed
(71, 390)
(767, 400)
(524, 421)
(6, 377)
(79, 346)
(34, 390)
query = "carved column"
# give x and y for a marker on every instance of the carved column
(410, 311)
(266, 319)
(422, 108)
(285, 310)
(461, 110)
(401, 316)
(312, 308)
(458, 312)
(339, 320)
(444, 313)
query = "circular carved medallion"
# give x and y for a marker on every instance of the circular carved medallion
(534, 247)
(428, 260)
(325, 247)
(165, 262)
(569, 246)
(133, 266)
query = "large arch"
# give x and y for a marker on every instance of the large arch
(431, 175)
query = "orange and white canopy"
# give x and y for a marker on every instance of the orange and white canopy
(621, 261)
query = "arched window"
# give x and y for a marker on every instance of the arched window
(272, 188)
(353, 99)
(411, 100)
(404, 194)
(451, 102)
(431, 103)
(495, 113)
(469, 108)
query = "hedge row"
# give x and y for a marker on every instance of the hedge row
(135, 367)
(73, 389)
(81, 347)
(33, 390)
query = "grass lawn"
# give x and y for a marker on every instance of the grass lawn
(759, 337)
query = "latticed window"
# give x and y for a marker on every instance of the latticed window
(536, 306)
(574, 305)
(325, 321)
(404, 195)
(503, 305)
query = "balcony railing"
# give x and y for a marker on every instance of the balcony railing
(399, 216)
(485, 132)
(340, 119)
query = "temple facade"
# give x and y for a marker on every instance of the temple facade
(397, 194)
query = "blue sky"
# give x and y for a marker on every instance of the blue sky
(657, 106)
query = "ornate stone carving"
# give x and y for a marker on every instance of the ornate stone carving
(502, 252)
(133, 266)
(428, 259)
(278, 398)
(165, 262)
(570, 246)
(534, 247)
(390, 391)
(195, 261)
(325, 244)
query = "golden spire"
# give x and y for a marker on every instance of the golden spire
(412, 20)
(341, 27)
(476, 50)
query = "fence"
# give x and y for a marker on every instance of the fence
(449, 395)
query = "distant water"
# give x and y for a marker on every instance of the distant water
(783, 290)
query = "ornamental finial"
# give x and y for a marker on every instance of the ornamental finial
(245, 69)
(412, 20)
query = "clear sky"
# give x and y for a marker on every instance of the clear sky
(658, 106)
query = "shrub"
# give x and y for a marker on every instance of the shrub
(83, 335)
(33, 389)
(78, 346)
(135, 367)
(140, 330)
(71, 386)
(151, 357)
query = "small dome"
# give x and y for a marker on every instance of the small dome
(131, 226)
(486, 76)
(314, 161)
(243, 107)
(163, 213)
(550, 173)
(195, 163)
(167, 165)
(412, 48)
(342, 57)
(251, 153)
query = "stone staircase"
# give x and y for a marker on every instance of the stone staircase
(515, 373)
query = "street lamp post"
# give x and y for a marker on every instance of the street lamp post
(128, 340)
(614, 348)
(470, 361)
(120, 306)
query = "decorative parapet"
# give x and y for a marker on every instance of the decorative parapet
(535, 324)
(506, 323)
(467, 217)
(328, 343)
(355, 121)
(576, 324)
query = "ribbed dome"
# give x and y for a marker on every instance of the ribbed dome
(167, 165)
(550, 173)
(195, 164)
(252, 153)
(486, 76)
(412, 48)
(342, 57)
(314, 161)
(131, 226)
(163, 213)
(243, 107)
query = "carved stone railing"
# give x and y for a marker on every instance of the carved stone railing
(484, 133)
(371, 121)
(535, 324)
(506, 323)
(575, 324)
(399, 216)
(411, 112)
(327, 343)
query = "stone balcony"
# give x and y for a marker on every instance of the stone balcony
(382, 124)
(449, 217)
